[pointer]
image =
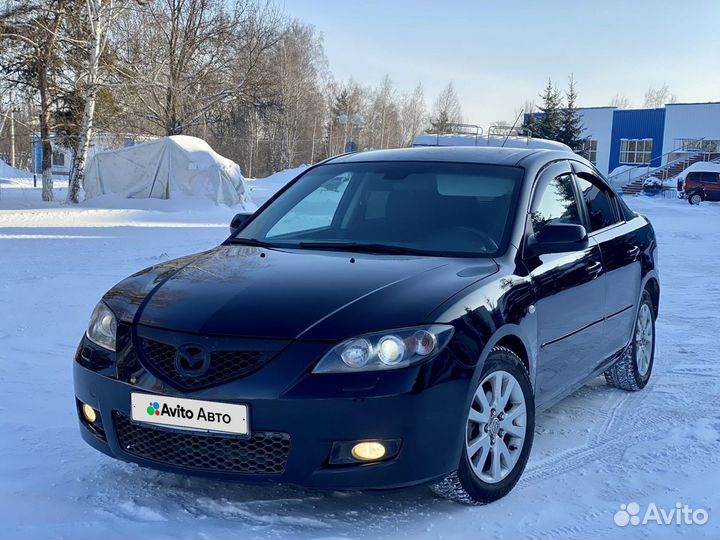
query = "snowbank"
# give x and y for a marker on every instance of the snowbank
(621, 176)
(7, 172)
(261, 189)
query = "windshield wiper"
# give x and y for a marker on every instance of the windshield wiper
(251, 242)
(363, 248)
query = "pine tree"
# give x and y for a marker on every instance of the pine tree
(571, 126)
(548, 122)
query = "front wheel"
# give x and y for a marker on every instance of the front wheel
(695, 199)
(498, 433)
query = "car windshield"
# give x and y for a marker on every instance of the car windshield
(444, 209)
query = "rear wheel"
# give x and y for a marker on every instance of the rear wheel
(498, 433)
(695, 198)
(633, 370)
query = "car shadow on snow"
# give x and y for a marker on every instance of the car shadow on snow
(132, 493)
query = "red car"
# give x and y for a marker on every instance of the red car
(702, 186)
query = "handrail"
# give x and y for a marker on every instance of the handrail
(476, 131)
(509, 131)
(648, 166)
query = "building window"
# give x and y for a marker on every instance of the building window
(588, 149)
(636, 151)
(58, 159)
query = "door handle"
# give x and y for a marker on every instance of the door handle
(634, 252)
(595, 269)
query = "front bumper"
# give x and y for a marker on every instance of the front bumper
(303, 415)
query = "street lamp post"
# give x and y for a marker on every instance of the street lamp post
(357, 121)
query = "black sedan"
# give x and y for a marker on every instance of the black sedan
(388, 319)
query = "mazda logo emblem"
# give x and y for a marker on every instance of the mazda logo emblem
(192, 360)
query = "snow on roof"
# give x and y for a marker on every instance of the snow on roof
(701, 166)
(514, 141)
(195, 149)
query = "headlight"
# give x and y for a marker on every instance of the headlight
(102, 327)
(386, 350)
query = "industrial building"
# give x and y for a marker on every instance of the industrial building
(650, 137)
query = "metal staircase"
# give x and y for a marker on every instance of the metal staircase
(667, 171)
(692, 154)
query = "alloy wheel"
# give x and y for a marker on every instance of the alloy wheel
(496, 427)
(644, 339)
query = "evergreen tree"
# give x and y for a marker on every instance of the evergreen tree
(571, 126)
(548, 122)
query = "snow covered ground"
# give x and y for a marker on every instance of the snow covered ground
(265, 188)
(594, 451)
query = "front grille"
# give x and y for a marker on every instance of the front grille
(263, 453)
(224, 365)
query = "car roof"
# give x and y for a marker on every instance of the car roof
(458, 154)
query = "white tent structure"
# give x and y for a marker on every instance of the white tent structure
(160, 169)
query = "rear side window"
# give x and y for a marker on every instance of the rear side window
(705, 177)
(601, 207)
(555, 201)
(710, 177)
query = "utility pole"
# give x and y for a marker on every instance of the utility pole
(312, 146)
(12, 132)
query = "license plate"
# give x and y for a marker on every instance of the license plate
(190, 413)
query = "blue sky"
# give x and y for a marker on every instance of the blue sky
(499, 53)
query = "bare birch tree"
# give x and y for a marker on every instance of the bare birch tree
(446, 109)
(100, 15)
(658, 97)
(620, 101)
(30, 31)
(300, 61)
(414, 115)
(185, 58)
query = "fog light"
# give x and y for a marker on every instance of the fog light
(89, 413)
(368, 451)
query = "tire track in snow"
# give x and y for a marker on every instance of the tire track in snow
(606, 443)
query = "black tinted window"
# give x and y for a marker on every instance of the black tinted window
(600, 205)
(710, 177)
(555, 202)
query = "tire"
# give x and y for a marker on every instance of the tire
(695, 198)
(506, 433)
(632, 371)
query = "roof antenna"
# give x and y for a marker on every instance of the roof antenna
(512, 127)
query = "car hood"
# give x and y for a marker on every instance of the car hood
(253, 292)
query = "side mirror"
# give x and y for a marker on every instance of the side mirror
(558, 238)
(238, 221)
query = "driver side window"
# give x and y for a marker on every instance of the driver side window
(555, 201)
